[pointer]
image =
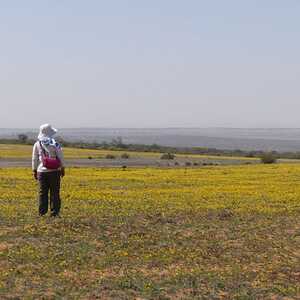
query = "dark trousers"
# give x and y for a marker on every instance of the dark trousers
(49, 181)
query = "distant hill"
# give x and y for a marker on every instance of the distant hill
(221, 138)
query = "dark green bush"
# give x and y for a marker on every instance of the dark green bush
(168, 156)
(125, 156)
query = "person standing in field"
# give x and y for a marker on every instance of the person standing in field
(48, 168)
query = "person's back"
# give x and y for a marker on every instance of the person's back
(48, 167)
(51, 150)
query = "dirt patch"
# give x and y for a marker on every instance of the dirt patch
(4, 246)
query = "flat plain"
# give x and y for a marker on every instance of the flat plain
(209, 232)
(20, 156)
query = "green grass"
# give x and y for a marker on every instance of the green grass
(8, 151)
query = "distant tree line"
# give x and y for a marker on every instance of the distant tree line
(117, 144)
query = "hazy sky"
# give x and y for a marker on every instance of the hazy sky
(155, 63)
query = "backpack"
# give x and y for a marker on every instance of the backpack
(48, 162)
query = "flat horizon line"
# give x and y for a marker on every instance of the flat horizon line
(157, 128)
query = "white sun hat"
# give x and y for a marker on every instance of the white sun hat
(46, 131)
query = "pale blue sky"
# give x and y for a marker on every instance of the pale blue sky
(138, 63)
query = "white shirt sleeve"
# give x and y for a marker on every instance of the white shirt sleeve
(60, 156)
(35, 157)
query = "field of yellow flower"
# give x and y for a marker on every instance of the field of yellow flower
(226, 232)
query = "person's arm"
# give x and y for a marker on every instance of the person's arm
(60, 156)
(35, 160)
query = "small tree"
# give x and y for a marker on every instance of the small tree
(117, 142)
(23, 138)
(268, 158)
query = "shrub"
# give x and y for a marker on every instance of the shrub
(188, 163)
(110, 156)
(22, 138)
(268, 158)
(90, 157)
(168, 156)
(125, 156)
(250, 154)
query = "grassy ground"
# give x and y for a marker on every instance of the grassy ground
(24, 152)
(207, 233)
